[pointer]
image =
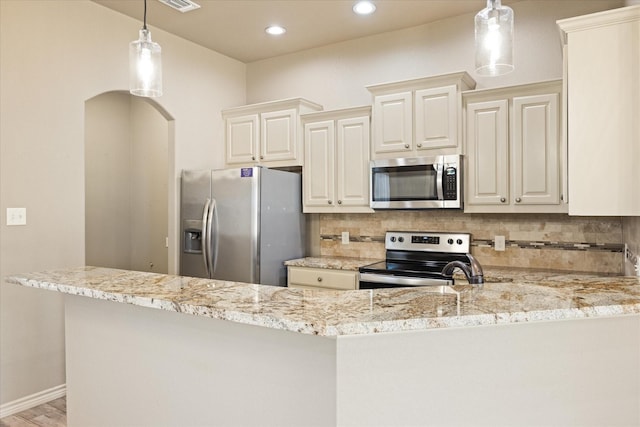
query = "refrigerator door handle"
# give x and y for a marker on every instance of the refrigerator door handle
(213, 236)
(205, 236)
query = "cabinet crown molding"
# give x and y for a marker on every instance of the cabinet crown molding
(461, 79)
(336, 114)
(521, 90)
(598, 19)
(263, 107)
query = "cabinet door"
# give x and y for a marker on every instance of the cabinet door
(488, 153)
(536, 150)
(319, 160)
(436, 118)
(278, 135)
(242, 139)
(393, 124)
(352, 162)
(603, 82)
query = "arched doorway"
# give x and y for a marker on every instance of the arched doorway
(126, 183)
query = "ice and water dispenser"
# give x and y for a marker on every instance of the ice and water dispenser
(192, 236)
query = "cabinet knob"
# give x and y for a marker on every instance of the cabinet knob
(419, 145)
(330, 202)
(261, 157)
(319, 279)
(339, 202)
(406, 145)
(253, 157)
(518, 199)
(502, 199)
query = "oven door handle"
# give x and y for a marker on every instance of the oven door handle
(403, 280)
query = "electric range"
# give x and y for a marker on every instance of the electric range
(422, 259)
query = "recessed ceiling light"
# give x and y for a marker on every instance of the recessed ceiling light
(364, 7)
(275, 30)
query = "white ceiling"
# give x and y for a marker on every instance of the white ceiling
(236, 27)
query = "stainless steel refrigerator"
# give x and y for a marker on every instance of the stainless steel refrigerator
(241, 224)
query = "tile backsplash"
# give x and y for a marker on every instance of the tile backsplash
(551, 241)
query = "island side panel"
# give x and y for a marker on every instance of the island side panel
(129, 365)
(582, 372)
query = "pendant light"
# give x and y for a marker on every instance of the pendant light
(494, 39)
(145, 65)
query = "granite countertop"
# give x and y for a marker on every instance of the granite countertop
(334, 263)
(509, 296)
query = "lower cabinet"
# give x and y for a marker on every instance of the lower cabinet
(514, 149)
(322, 278)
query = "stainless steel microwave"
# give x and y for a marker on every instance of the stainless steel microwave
(416, 183)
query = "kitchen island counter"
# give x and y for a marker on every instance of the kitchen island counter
(531, 348)
(509, 296)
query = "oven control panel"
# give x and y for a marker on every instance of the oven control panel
(428, 241)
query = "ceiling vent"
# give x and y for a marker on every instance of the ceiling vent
(181, 5)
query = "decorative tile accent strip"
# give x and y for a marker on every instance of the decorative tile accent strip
(523, 244)
(565, 246)
(352, 238)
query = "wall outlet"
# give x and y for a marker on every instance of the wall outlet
(16, 216)
(632, 258)
(345, 237)
(499, 243)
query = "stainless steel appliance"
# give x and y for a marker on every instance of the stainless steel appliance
(422, 259)
(241, 224)
(416, 183)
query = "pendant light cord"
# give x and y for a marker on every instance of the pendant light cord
(144, 22)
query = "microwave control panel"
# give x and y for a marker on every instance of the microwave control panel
(450, 183)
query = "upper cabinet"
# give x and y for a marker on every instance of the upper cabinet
(514, 149)
(267, 134)
(418, 117)
(602, 71)
(336, 166)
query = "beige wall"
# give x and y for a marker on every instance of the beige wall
(54, 56)
(336, 75)
(126, 183)
(107, 175)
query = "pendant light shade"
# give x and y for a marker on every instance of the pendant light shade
(494, 39)
(145, 64)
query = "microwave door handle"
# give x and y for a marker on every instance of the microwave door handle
(439, 172)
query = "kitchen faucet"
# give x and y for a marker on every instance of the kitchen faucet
(472, 270)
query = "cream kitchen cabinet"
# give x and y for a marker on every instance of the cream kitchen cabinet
(336, 161)
(514, 157)
(266, 134)
(418, 117)
(602, 72)
(321, 278)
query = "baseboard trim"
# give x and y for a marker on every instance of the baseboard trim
(33, 400)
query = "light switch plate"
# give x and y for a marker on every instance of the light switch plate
(499, 243)
(16, 216)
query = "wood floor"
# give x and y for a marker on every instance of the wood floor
(51, 414)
